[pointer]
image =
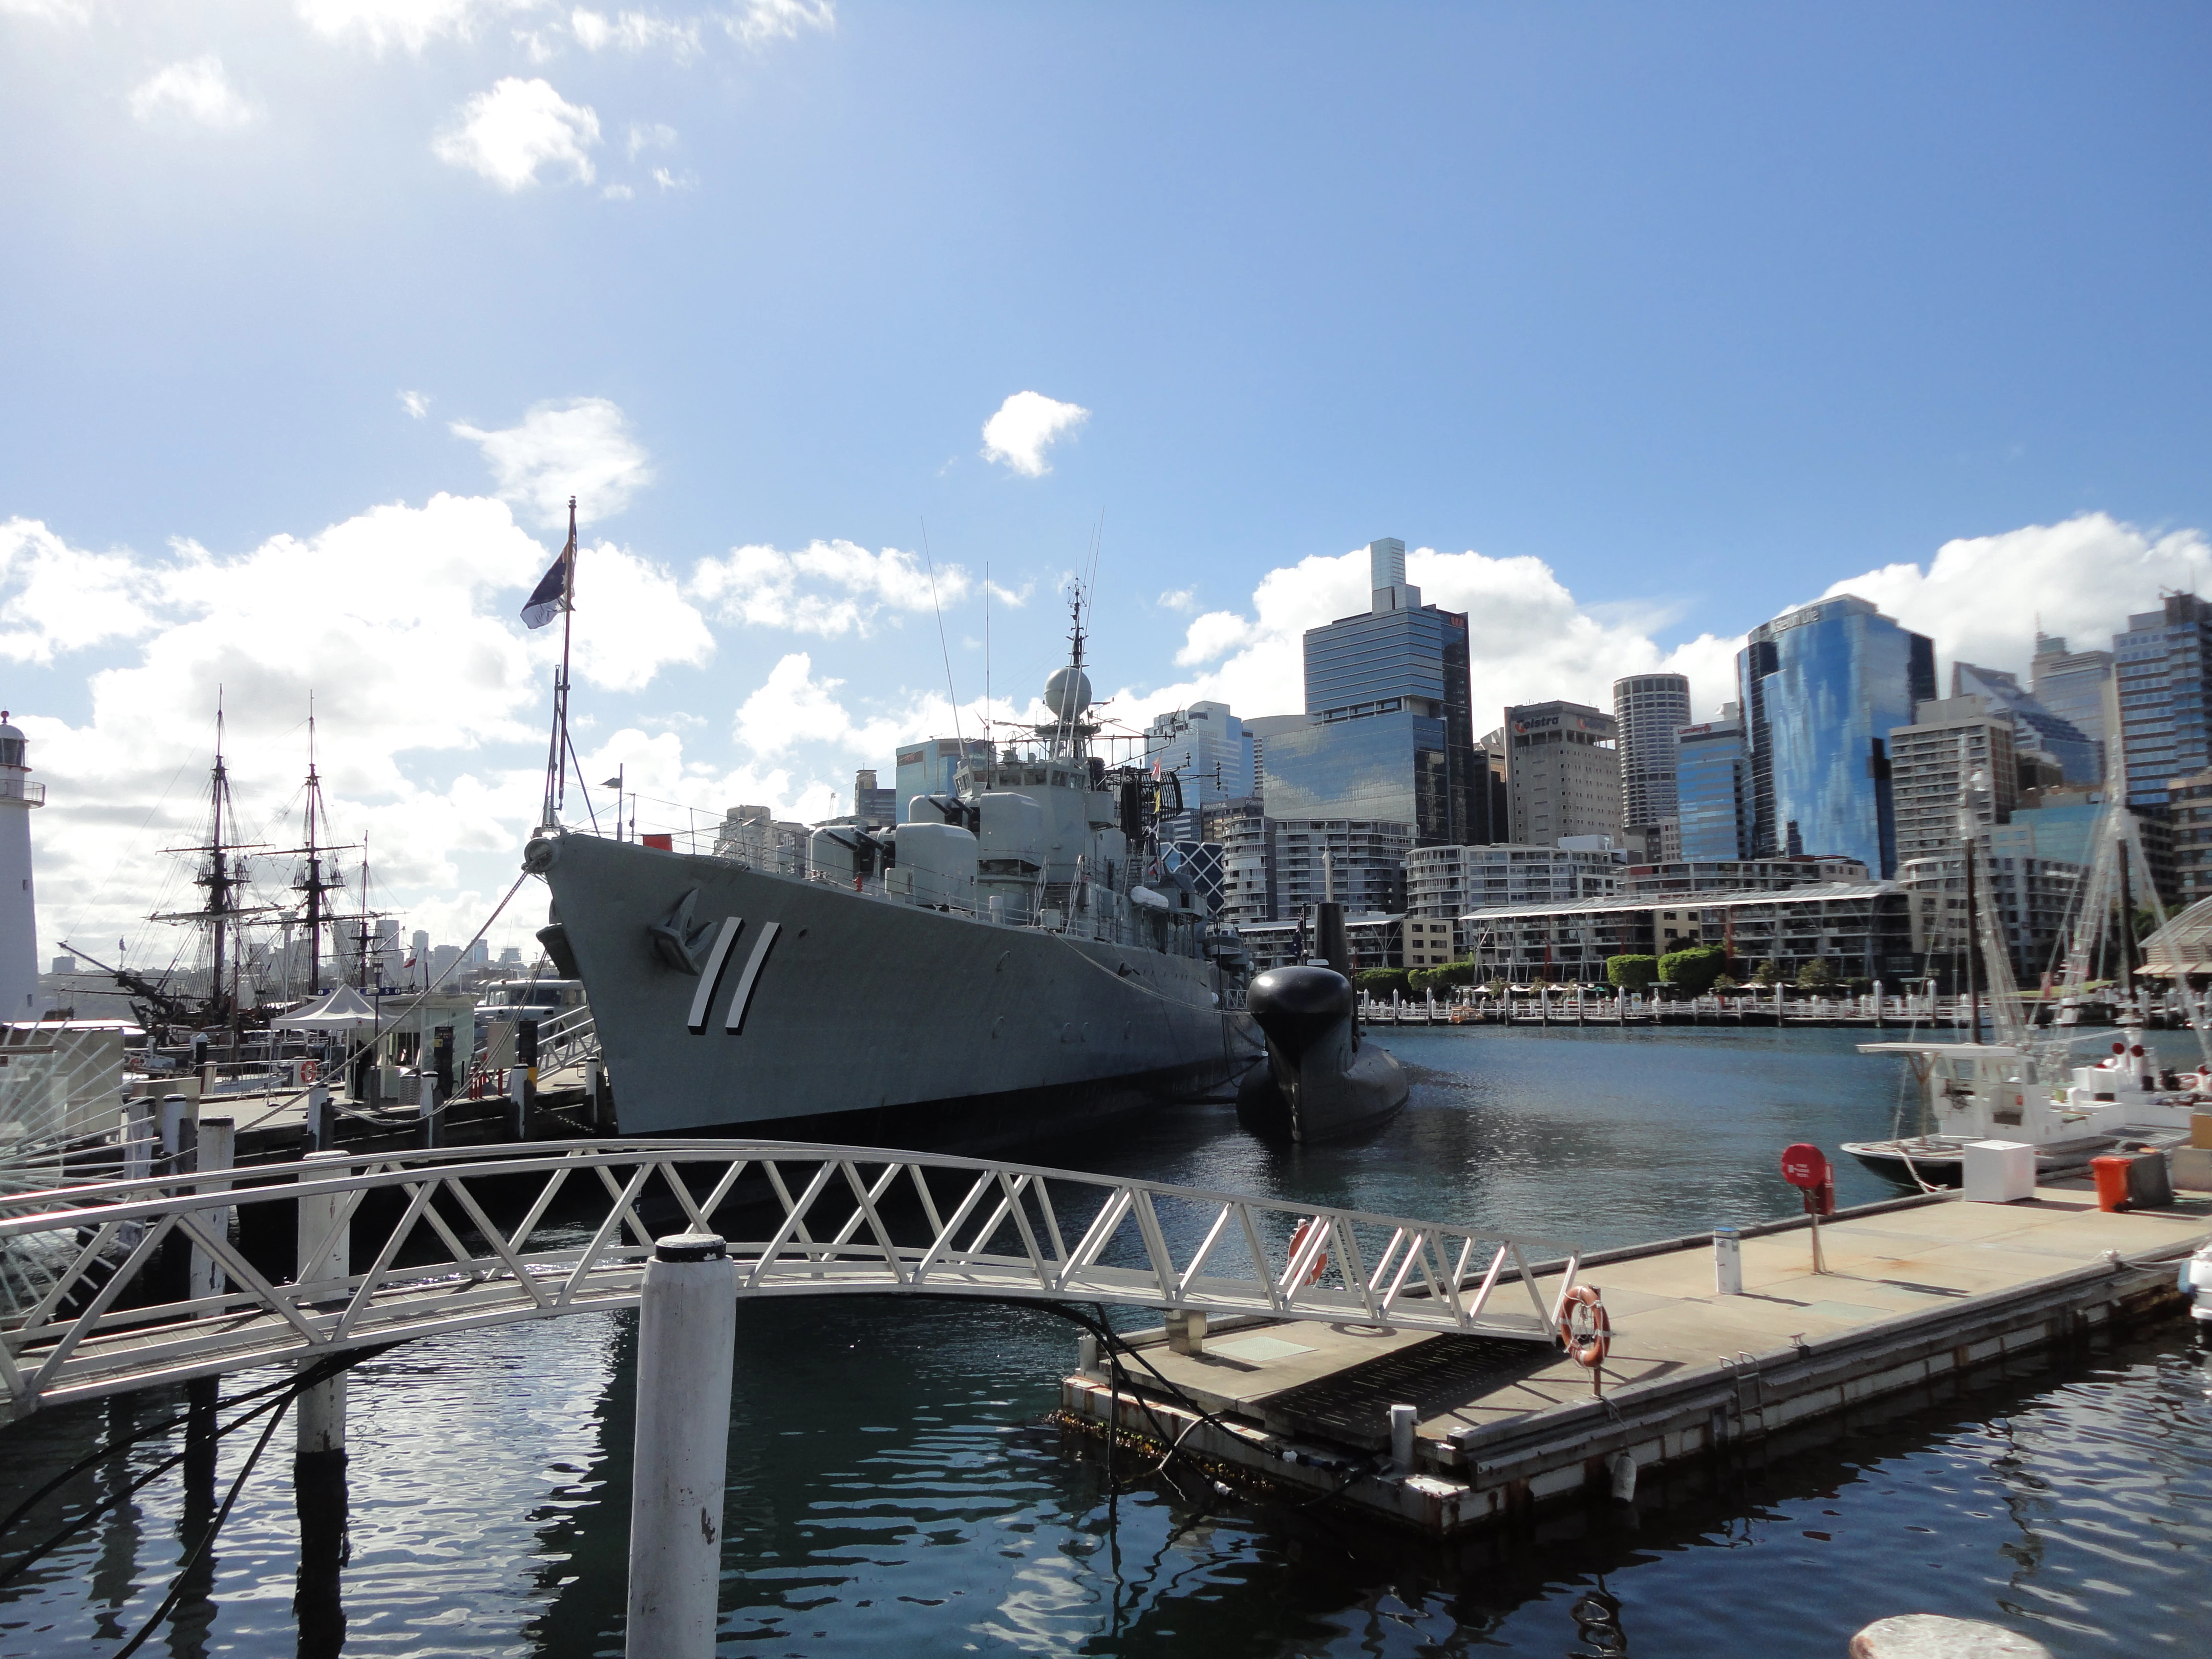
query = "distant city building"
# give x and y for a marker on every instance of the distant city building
(2077, 687)
(2036, 731)
(2030, 898)
(1822, 688)
(873, 808)
(1648, 709)
(1209, 752)
(1431, 943)
(1391, 730)
(1374, 941)
(1359, 862)
(1737, 875)
(1246, 838)
(1956, 756)
(2189, 808)
(1861, 929)
(2162, 673)
(753, 836)
(1712, 788)
(1562, 772)
(1443, 883)
(927, 768)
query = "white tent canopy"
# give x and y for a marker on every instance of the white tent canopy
(342, 1010)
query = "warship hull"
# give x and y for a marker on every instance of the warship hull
(731, 1000)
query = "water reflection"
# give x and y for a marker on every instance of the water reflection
(890, 1488)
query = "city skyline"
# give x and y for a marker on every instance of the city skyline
(810, 308)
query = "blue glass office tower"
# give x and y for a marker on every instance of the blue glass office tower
(2034, 726)
(2164, 669)
(1712, 787)
(1393, 736)
(1821, 689)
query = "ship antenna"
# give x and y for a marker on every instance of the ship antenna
(944, 650)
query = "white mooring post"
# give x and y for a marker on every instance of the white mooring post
(1403, 1420)
(1728, 1261)
(323, 1252)
(218, 1148)
(686, 1332)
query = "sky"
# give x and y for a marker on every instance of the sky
(1638, 325)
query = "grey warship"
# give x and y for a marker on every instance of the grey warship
(1012, 961)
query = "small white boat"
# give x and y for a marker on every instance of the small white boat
(2001, 1091)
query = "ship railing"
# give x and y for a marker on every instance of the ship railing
(571, 1037)
(151, 1280)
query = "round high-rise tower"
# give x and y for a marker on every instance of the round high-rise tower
(18, 916)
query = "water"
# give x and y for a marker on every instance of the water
(892, 1486)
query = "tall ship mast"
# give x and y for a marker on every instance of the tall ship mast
(222, 872)
(317, 874)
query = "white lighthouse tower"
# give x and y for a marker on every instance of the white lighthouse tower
(18, 916)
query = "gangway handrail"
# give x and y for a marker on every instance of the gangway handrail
(844, 1220)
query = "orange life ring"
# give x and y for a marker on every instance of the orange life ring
(1588, 1348)
(1320, 1257)
(309, 1071)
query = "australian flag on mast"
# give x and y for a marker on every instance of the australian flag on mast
(557, 586)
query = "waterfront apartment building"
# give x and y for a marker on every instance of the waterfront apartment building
(1737, 875)
(1391, 726)
(1822, 688)
(1713, 789)
(1562, 772)
(2077, 687)
(755, 837)
(1861, 929)
(2188, 820)
(1648, 709)
(1246, 838)
(1360, 863)
(1375, 941)
(2030, 898)
(2162, 674)
(1443, 883)
(1956, 756)
(2039, 735)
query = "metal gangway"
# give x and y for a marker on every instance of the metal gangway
(128, 1284)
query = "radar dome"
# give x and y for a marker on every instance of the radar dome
(1068, 693)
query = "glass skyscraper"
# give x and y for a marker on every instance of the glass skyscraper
(2034, 726)
(2077, 687)
(1392, 736)
(1712, 788)
(1821, 690)
(2163, 668)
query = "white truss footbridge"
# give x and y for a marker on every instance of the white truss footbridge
(124, 1285)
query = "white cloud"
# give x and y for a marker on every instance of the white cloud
(49, 11)
(766, 588)
(758, 22)
(416, 404)
(619, 194)
(635, 31)
(1980, 597)
(59, 599)
(400, 621)
(581, 447)
(1027, 424)
(1184, 599)
(507, 134)
(197, 90)
(792, 708)
(632, 620)
(409, 23)
(650, 134)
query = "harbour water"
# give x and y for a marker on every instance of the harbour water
(892, 1481)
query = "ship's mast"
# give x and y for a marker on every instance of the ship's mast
(222, 873)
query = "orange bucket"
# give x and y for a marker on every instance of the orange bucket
(2110, 1175)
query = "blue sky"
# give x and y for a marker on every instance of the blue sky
(1648, 322)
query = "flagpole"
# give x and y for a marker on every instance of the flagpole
(556, 759)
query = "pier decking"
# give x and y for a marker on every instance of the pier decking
(1918, 1292)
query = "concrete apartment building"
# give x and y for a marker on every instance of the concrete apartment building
(1562, 774)
(1957, 755)
(1648, 709)
(1442, 883)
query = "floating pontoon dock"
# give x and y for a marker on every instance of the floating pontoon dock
(1919, 1294)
